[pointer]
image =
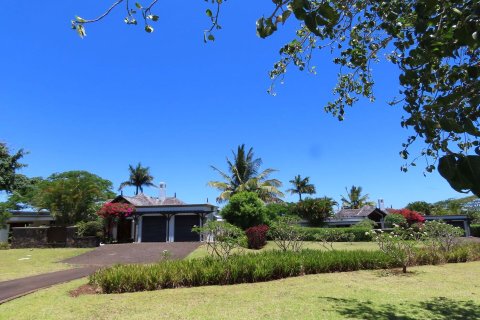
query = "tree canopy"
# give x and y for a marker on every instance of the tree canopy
(354, 199)
(139, 177)
(72, 196)
(301, 186)
(434, 45)
(243, 175)
(9, 164)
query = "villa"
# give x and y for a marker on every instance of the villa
(162, 219)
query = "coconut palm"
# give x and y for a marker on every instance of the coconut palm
(243, 175)
(301, 186)
(139, 177)
(354, 198)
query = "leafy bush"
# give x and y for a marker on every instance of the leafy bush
(400, 244)
(442, 236)
(395, 219)
(475, 230)
(90, 228)
(366, 224)
(4, 246)
(286, 234)
(257, 236)
(275, 210)
(245, 210)
(247, 268)
(412, 217)
(313, 234)
(221, 238)
(315, 210)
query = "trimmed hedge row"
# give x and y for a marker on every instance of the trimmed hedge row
(247, 268)
(475, 230)
(359, 233)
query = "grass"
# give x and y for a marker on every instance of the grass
(18, 263)
(449, 291)
(202, 250)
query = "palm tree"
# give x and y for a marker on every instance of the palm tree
(139, 177)
(244, 176)
(301, 186)
(354, 198)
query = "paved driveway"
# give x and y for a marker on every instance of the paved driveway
(91, 261)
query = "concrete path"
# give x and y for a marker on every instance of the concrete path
(91, 261)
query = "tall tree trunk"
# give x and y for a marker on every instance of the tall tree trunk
(136, 190)
(300, 196)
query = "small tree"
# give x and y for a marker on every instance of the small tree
(315, 210)
(221, 238)
(286, 234)
(442, 236)
(395, 219)
(400, 244)
(329, 236)
(245, 210)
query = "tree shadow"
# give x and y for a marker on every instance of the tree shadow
(439, 308)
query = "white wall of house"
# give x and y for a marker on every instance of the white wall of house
(4, 234)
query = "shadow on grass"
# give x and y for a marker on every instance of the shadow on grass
(438, 308)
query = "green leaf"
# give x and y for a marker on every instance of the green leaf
(79, 19)
(149, 28)
(211, 37)
(138, 5)
(285, 15)
(209, 13)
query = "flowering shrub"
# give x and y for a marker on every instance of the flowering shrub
(257, 236)
(400, 244)
(222, 238)
(116, 210)
(411, 216)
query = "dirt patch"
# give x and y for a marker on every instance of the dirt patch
(85, 289)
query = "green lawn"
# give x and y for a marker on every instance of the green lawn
(202, 250)
(18, 263)
(429, 292)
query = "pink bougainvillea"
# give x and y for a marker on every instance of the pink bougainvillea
(119, 210)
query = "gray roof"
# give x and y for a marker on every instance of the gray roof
(365, 211)
(142, 200)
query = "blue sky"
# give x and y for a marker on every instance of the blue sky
(121, 96)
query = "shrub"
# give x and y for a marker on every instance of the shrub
(247, 268)
(366, 224)
(333, 235)
(275, 210)
(313, 234)
(315, 210)
(442, 236)
(90, 228)
(475, 230)
(286, 234)
(221, 238)
(257, 236)
(4, 246)
(412, 217)
(245, 210)
(395, 219)
(400, 244)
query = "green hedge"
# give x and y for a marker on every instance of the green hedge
(359, 233)
(475, 230)
(247, 268)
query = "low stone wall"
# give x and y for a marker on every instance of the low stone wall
(29, 237)
(37, 237)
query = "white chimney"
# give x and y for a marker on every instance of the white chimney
(381, 204)
(163, 191)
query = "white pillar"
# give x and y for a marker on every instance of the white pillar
(171, 229)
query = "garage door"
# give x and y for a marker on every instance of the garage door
(154, 229)
(183, 228)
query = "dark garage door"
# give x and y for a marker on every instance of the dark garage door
(183, 228)
(154, 229)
